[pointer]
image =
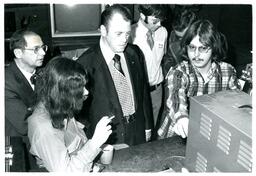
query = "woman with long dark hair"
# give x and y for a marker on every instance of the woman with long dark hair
(57, 140)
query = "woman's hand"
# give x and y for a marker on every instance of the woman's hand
(102, 131)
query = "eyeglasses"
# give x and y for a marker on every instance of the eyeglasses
(201, 49)
(37, 49)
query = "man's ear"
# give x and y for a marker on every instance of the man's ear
(17, 52)
(142, 16)
(103, 30)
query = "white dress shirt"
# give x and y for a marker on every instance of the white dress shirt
(153, 57)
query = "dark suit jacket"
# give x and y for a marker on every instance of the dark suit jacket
(103, 99)
(19, 96)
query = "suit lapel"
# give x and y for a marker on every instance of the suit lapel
(107, 82)
(132, 69)
(25, 88)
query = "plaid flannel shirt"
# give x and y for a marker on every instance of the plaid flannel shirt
(184, 81)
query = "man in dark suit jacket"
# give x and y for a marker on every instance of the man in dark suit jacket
(135, 126)
(29, 52)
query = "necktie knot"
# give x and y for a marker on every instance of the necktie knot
(116, 58)
(150, 39)
(33, 78)
(117, 63)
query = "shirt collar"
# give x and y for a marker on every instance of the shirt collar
(210, 72)
(142, 28)
(25, 73)
(107, 52)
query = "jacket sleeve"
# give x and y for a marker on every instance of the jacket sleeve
(55, 156)
(16, 111)
(176, 102)
(147, 106)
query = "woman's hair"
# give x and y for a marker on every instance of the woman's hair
(208, 36)
(60, 88)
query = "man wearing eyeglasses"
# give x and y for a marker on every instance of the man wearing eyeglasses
(29, 52)
(201, 71)
(151, 37)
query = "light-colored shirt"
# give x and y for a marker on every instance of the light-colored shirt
(153, 57)
(184, 81)
(67, 149)
(108, 55)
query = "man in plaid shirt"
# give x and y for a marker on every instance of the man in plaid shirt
(200, 72)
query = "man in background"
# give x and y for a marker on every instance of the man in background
(151, 37)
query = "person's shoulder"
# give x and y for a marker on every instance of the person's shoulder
(162, 30)
(89, 54)
(225, 65)
(10, 72)
(91, 50)
(182, 66)
(9, 66)
(39, 125)
(39, 119)
(132, 48)
(179, 69)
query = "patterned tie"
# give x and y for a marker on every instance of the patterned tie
(150, 39)
(117, 63)
(122, 87)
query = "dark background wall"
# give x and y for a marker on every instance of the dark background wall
(235, 21)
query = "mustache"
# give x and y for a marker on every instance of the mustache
(197, 59)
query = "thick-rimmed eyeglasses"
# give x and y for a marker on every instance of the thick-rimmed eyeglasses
(201, 49)
(37, 49)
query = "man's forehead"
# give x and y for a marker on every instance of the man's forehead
(196, 41)
(118, 23)
(117, 18)
(33, 39)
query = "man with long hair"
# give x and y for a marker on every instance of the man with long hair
(199, 72)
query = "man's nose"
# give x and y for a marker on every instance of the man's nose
(196, 52)
(125, 38)
(86, 92)
(42, 52)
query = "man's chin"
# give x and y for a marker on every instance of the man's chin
(120, 50)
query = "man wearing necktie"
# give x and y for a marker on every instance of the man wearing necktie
(151, 37)
(29, 52)
(117, 81)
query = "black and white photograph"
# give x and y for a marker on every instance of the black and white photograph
(138, 87)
